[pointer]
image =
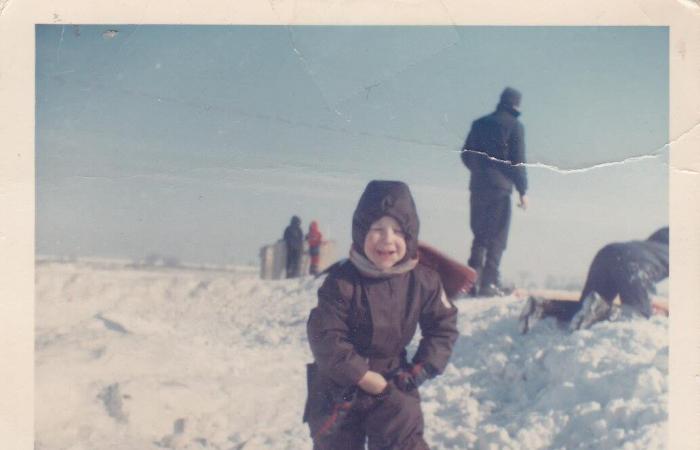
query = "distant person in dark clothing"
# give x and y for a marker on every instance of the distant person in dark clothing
(494, 152)
(628, 269)
(294, 240)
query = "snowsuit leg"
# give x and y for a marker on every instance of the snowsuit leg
(350, 436)
(636, 289)
(490, 213)
(603, 276)
(314, 256)
(396, 423)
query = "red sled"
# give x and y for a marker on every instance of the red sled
(456, 277)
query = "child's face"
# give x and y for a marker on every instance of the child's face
(385, 243)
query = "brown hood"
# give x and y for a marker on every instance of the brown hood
(386, 198)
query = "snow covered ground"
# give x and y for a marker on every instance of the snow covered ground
(176, 358)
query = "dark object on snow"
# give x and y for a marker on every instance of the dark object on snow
(112, 398)
(112, 325)
(294, 240)
(494, 152)
(628, 269)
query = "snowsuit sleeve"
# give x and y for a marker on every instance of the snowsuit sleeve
(328, 333)
(438, 324)
(516, 148)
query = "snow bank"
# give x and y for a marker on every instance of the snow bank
(136, 358)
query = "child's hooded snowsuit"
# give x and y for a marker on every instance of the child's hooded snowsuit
(365, 322)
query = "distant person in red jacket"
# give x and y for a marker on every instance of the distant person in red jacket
(314, 238)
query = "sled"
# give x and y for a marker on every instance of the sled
(273, 259)
(659, 304)
(456, 277)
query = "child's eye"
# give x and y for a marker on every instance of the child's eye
(399, 232)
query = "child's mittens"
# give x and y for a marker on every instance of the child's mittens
(410, 378)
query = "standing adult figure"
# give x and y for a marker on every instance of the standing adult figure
(494, 152)
(294, 240)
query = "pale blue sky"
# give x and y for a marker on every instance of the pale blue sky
(201, 141)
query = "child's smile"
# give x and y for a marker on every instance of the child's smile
(385, 244)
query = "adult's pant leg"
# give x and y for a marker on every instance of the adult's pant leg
(479, 223)
(499, 213)
(290, 265)
(489, 218)
(476, 259)
(293, 258)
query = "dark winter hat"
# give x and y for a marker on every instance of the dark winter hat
(660, 235)
(386, 198)
(296, 221)
(510, 97)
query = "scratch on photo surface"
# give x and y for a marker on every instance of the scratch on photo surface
(361, 89)
(304, 62)
(632, 159)
(60, 42)
(539, 165)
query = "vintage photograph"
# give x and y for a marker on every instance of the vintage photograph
(324, 236)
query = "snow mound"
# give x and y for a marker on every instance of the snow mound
(176, 358)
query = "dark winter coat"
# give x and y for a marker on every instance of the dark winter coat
(365, 323)
(495, 150)
(294, 236)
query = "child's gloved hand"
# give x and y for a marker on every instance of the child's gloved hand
(413, 376)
